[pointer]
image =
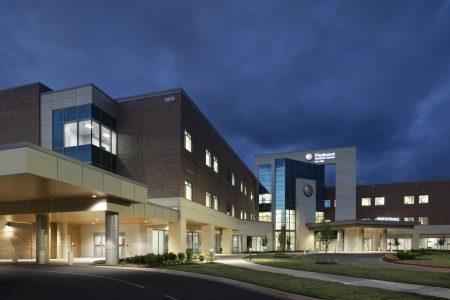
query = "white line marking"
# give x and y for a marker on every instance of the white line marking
(171, 298)
(79, 274)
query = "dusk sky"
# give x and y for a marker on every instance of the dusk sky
(272, 76)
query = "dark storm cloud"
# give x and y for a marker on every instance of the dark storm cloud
(271, 75)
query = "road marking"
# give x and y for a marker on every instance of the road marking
(171, 298)
(79, 274)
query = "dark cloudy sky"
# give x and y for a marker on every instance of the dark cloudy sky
(272, 76)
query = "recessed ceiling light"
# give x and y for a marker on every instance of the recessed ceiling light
(94, 196)
(97, 219)
(93, 223)
(145, 221)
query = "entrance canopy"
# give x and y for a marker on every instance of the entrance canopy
(363, 224)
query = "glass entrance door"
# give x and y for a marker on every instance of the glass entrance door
(218, 243)
(99, 245)
(122, 245)
(368, 244)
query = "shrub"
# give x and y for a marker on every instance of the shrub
(201, 256)
(172, 256)
(138, 259)
(404, 255)
(150, 259)
(189, 256)
(181, 256)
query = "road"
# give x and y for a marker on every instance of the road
(71, 282)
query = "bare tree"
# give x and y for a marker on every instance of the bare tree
(326, 235)
(282, 239)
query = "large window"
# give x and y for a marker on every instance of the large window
(208, 199)
(188, 190)
(423, 220)
(216, 203)
(208, 158)
(106, 138)
(366, 201)
(84, 132)
(320, 216)
(423, 199)
(70, 134)
(408, 200)
(408, 219)
(187, 141)
(327, 203)
(216, 165)
(379, 201)
(265, 216)
(265, 198)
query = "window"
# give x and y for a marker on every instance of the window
(242, 187)
(208, 199)
(252, 196)
(242, 214)
(423, 199)
(245, 190)
(265, 216)
(208, 158)
(187, 141)
(408, 219)
(327, 203)
(216, 203)
(106, 138)
(245, 216)
(319, 216)
(114, 142)
(95, 134)
(216, 165)
(409, 199)
(232, 210)
(265, 198)
(379, 201)
(366, 201)
(70, 134)
(84, 132)
(423, 220)
(233, 179)
(188, 190)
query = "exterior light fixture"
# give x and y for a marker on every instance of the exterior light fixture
(94, 196)
(250, 250)
(211, 258)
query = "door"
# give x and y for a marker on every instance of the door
(368, 244)
(99, 245)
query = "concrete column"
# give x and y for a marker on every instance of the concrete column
(208, 238)
(62, 246)
(112, 238)
(42, 239)
(340, 243)
(149, 240)
(177, 236)
(384, 240)
(361, 239)
(415, 241)
(227, 241)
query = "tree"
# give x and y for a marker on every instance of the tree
(288, 243)
(264, 242)
(396, 243)
(282, 239)
(441, 242)
(326, 235)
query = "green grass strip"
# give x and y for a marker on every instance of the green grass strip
(295, 285)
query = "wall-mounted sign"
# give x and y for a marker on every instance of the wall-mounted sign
(309, 156)
(323, 156)
(308, 190)
(393, 219)
(169, 99)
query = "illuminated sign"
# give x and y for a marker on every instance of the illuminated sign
(321, 157)
(309, 156)
(308, 190)
(396, 219)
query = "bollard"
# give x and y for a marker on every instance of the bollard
(70, 258)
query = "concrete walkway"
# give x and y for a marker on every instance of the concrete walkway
(238, 261)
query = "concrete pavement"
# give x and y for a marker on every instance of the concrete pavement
(237, 260)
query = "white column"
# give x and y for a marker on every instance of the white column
(415, 240)
(208, 238)
(361, 239)
(149, 240)
(227, 240)
(177, 236)
(42, 239)
(384, 240)
(112, 238)
(62, 248)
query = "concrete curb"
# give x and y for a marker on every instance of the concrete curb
(412, 264)
(244, 285)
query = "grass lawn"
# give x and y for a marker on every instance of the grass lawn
(301, 286)
(440, 279)
(437, 259)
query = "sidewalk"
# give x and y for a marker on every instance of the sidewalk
(238, 261)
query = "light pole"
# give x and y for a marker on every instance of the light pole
(211, 255)
(250, 249)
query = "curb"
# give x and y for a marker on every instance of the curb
(244, 285)
(412, 264)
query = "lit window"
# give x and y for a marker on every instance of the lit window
(208, 199)
(70, 134)
(423, 220)
(106, 138)
(232, 210)
(245, 216)
(423, 199)
(187, 141)
(114, 142)
(216, 203)
(233, 179)
(265, 216)
(265, 198)
(95, 134)
(242, 187)
(319, 216)
(84, 132)
(188, 190)
(409, 199)
(216, 165)
(245, 190)
(379, 201)
(252, 196)
(242, 214)
(327, 203)
(208, 158)
(408, 219)
(366, 201)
